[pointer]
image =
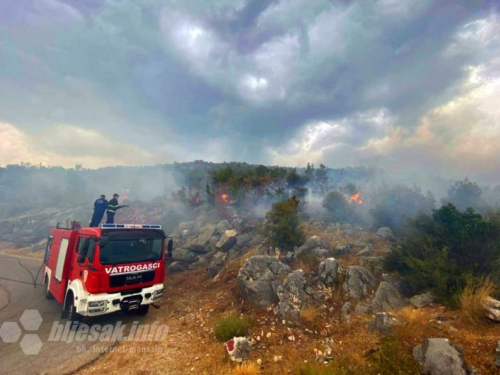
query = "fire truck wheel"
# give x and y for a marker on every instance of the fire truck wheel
(48, 295)
(73, 316)
(143, 310)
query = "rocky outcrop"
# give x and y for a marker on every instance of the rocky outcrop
(439, 357)
(293, 294)
(385, 233)
(184, 255)
(358, 282)
(328, 272)
(374, 264)
(259, 279)
(422, 300)
(367, 250)
(383, 323)
(492, 309)
(226, 242)
(387, 298)
(312, 243)
(216, 264)
(346, 310)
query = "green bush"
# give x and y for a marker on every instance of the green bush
(392, 358)
(283, 225)
(446, 249)
(231, 326)
(339, 210)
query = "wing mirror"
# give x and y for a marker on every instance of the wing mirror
(170, 247)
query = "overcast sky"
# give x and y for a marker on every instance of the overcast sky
(403, 85)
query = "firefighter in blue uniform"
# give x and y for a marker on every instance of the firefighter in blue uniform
(100, 206)
(113, 206)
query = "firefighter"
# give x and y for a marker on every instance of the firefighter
(100, 206)
(113, 206)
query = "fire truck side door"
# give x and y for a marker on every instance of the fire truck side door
(84, 258)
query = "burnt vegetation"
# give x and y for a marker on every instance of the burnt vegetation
(442, 242)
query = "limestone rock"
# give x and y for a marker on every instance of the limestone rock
(329, 270)
(439, 357)
(387, 297)
(358, 282)
(259, 279)
(385, 233)
(422, 300)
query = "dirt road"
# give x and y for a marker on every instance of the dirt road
(18, 294)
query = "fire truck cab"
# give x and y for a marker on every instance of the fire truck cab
(96, 271)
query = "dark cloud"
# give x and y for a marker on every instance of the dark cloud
(243, 80)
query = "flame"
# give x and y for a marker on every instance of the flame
(225, 199)
(125, 195)
(356, 198)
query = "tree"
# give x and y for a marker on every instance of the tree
(465, 194)
(339, 210)
(283, 225)
(447, 249)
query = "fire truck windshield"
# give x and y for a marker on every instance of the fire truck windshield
(121, 251)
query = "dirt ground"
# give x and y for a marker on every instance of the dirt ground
(192, 305)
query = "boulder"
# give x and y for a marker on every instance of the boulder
(259, 279)
(312, 243)
(422, 300)
(439, 357)
(367, 250)
(245, 239)
(293, 295)
(362, 308)
(358, 282)
(178, 267)
(222, 226)
(205, 234)
(387, 297)
(226, 243)
(383, 323)
(216, 264)
(385, 233)
(403, 286)
(328, 272)
(184, 255)
(321, 254)
(342, 250)
(202, 262)
(374, 264)
(198, 249)
(492, 309)
(347, 308)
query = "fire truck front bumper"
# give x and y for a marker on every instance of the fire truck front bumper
(106, 303)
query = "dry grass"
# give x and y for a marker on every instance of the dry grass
(311, 317)
(247, 368)
(473, 296)
(415, 323)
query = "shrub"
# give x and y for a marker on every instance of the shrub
(231, 326)
(473, 295)
(308, 261)
(339, 210)
(392, 358)
(446, 249)
(283, 225)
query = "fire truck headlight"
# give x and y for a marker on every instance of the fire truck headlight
(157, 294)
(97, 303)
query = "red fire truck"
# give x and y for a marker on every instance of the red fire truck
(95, 271)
